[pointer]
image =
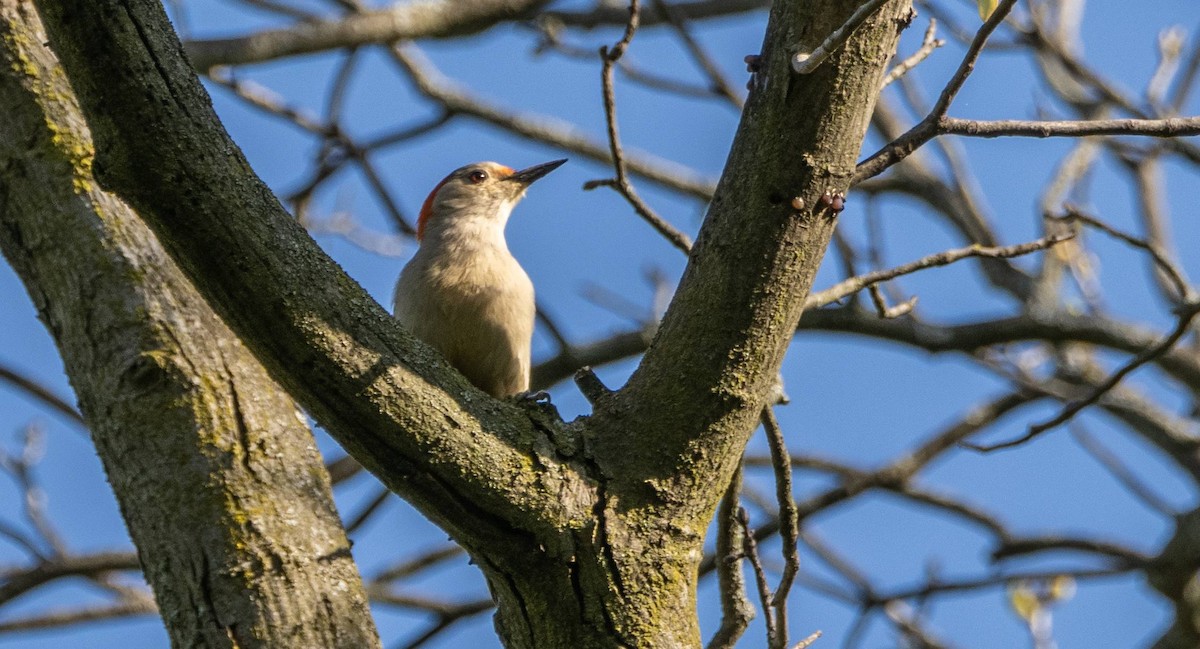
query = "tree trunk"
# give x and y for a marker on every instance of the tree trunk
(215, 470)
(590, 533)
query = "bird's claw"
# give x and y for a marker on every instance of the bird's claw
(532, 396)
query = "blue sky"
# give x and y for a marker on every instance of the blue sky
(856, 400)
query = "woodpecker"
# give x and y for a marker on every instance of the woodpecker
(463, 293)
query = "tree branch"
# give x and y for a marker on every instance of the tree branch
(401, 21)
(852, 285)
(925, 130)
(391, 401)
(543, 128)
(41, 393)
(609, 14)
(750, 269)
(621, 181)
(1168, 127)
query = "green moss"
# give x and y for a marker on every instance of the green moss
(52, 91)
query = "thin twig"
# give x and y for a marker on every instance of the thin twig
(806, 62)
(447, 619)
(807, 642)
(789, 521)
(853, 285)
(887, 312)
(333, 138)
(1121, 473)
(603, 14)
(339, 89)
(621, 183)
(1167, 127)
(41, 393)
(20, 467)
(1169, 269)
(1187, 78)
(736, 609)
(553, 328)
(1150, 180)
(358, 520)
(719, 84)
(760, 575)
(268, 101)
(419, 563)
(1170, 48)
(969, 584)
(1187, 313)
(925, 130)
(543, 128)
(928, 45)
(550, 33)
(902, 615)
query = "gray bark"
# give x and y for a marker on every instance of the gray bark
(589, 533)
(215, 470)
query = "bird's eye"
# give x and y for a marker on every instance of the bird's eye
(478, 176)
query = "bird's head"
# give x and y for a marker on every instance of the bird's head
(482, 194)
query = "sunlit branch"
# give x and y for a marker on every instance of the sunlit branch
(903, 146)
(621, 183)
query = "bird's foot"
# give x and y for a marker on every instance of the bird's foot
(532, 396)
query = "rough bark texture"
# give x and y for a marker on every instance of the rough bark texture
(215, 470)
(590, 533)
(1173, 575)
(401, 21)
(690, 407)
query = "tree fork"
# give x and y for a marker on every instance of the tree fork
(613, 509)
(214, 468)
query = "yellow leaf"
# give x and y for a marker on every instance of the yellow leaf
(986, 7)
(1062, 588)
(1024, 601)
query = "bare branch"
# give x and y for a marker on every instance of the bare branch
(607, 14)
(267, 101)
(1025, 546)
(19, 581)
(903, 146)
(1187, 312)
(928, 45)
(760, 577)
(590, 385)
(736, 609)
(853, 285)
(1170, 127)
(717, 81)
(420, 563)
(993, 581)
(401, 21)
(81, 615)
(806, 62)
(789, 521)
(621, 183)
(1121, 472)
(1164, 264)
(808, 641)
(40, 392)
(544, 128)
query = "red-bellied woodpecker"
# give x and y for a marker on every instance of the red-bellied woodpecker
(463, 293)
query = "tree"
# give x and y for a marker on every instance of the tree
(193, 305)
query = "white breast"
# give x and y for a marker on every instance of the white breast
(474, 304)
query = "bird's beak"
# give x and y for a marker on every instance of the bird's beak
(526, 176)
